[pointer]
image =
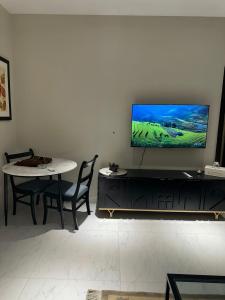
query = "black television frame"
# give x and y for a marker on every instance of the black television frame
(154, 147)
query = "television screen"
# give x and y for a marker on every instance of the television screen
(169, 126)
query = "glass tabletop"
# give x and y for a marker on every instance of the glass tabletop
(197, 287)
(201, 290)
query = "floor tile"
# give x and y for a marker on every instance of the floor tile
(95, 256)
(45, 262)
(146, 225)
(95, 223)
(148, 257)
(17, 259)
(90, 255)
(51, 289)
(11, 288)
(148, 286)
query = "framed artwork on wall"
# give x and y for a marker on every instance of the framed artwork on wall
(5, 97)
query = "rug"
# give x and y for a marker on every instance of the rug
(116, 295)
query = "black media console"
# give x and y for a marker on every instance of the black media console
(161, 190)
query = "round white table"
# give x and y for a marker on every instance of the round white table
(58, 166)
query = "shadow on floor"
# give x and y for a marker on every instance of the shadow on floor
(25, 228)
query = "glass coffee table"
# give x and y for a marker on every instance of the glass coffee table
(195, 287)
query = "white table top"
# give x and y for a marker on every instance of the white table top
(57, 166)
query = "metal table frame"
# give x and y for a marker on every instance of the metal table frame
(172, 279)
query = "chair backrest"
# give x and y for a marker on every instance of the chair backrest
(86, 173)
(10, 157)
(15, 156)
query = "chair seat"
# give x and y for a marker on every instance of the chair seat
(33, 186)
(68, 190)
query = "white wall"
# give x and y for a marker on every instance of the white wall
(7, 128)
(77, 76)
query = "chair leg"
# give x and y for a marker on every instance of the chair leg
(14, 204)
(38, 199)
(60, 200)
(32, 206)
(74, 212)
(45, 201)
(58, 204)
(88, 205)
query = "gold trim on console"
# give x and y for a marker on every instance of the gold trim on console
(112, 210)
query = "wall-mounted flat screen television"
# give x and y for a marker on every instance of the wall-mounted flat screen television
(169, 125)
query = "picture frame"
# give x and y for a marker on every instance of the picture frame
(5, 95)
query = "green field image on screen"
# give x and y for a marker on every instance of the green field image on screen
(148, 134)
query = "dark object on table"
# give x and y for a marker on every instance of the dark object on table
(31, 188)
(113, 167)
(34, 161)
(77, 193)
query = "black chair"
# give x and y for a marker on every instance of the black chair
(76, 193)
(31, 188)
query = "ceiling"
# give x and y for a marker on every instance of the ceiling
(205, 8)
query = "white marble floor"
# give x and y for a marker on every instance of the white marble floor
(45, 262)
